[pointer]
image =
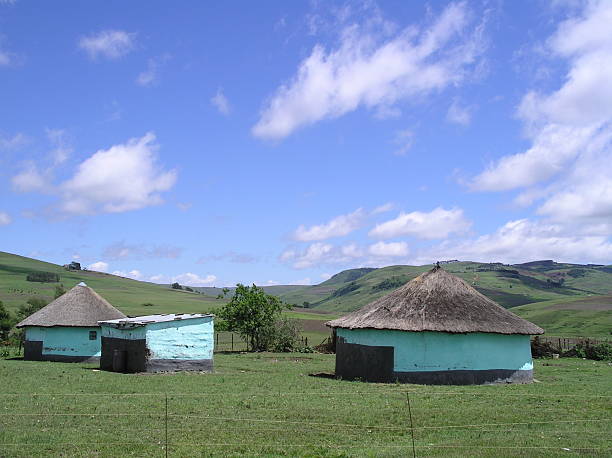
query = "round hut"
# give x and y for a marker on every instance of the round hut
(67, 329)
(436, 329)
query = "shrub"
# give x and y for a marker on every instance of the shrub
(597, 352)
(43, 277)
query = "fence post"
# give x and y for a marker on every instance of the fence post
(411, 425)
(166, 425)
(232, 341)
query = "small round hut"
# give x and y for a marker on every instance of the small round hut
(436, 329)
(67, 329)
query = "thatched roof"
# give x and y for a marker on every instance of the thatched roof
(81, 306)
(436, 301)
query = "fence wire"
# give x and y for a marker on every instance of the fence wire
(42, 424)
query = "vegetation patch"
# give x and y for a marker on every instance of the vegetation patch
(43, 277)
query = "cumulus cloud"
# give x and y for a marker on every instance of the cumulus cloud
(133, 274)
(122, 178)
(219, 101)
(525, 240)
(111, 44)
(567, 166)
(392, 249)
(99, 266)
(436, 224)
(373, 70)
(31, 179)
(5, 219)
(337, 227)
(123, 251)
(191, 279)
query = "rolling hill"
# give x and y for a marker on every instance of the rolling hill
(564, 299)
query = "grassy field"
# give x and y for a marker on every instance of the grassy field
(575, 317)
(267, 404)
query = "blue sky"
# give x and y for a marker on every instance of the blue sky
(281, 142)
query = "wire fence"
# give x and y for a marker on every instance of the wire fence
(379, 422)
(226, 341)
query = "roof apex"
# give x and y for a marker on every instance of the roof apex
(436, 301)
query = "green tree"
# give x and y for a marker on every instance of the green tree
(176, 285)
(32, 305)
(6, 322)
(252, 313)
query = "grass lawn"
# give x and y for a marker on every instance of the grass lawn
(267, 404)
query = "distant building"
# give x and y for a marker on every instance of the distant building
(436, 329)
(157, 343)
(73, 266)
(67, 329)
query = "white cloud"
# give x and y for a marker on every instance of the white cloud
(384, 208)
(5, 219)
(392, 249)
(318, 253)
(437, 224)
(30, 179)
(221, 103)
(301, 281)
(337, 227)
(159, 278)
(524, 240)
(325, 276)
(111, 44)
(404, 140)
(568, 162)
(62, 147)
(122, 178)
(99, 266)
(371, 70)
(15, 142)
(133, 274)
(458, 114)
(150, 76)
(191, 279)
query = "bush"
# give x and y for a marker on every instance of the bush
(597, 352)
(43, 277)
(285, 336)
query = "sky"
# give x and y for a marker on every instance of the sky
(276, 142)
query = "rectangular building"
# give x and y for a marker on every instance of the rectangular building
(158, 343)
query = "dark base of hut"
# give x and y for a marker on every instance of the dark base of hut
(465, 377)
(32, 351)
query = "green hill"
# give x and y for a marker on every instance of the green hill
(130, 296)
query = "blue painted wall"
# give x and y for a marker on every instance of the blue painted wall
(67, 341)
(441, 351)
(179, 339)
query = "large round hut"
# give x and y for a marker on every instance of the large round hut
(436, 329)
(67, 329)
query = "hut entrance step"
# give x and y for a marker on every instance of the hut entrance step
(119, 360)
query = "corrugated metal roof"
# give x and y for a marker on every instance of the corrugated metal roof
(149, 319)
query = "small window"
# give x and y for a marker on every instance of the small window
(93, 335)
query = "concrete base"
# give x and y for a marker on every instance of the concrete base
(32, 351)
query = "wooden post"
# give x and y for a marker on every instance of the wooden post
(166, 425)
(411, 424)
(232, 341)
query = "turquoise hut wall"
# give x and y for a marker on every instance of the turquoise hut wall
(65, 342)
(158, 343)
(196, 339)
(442, 351)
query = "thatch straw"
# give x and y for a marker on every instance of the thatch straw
(436, 301)
(81, 306)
